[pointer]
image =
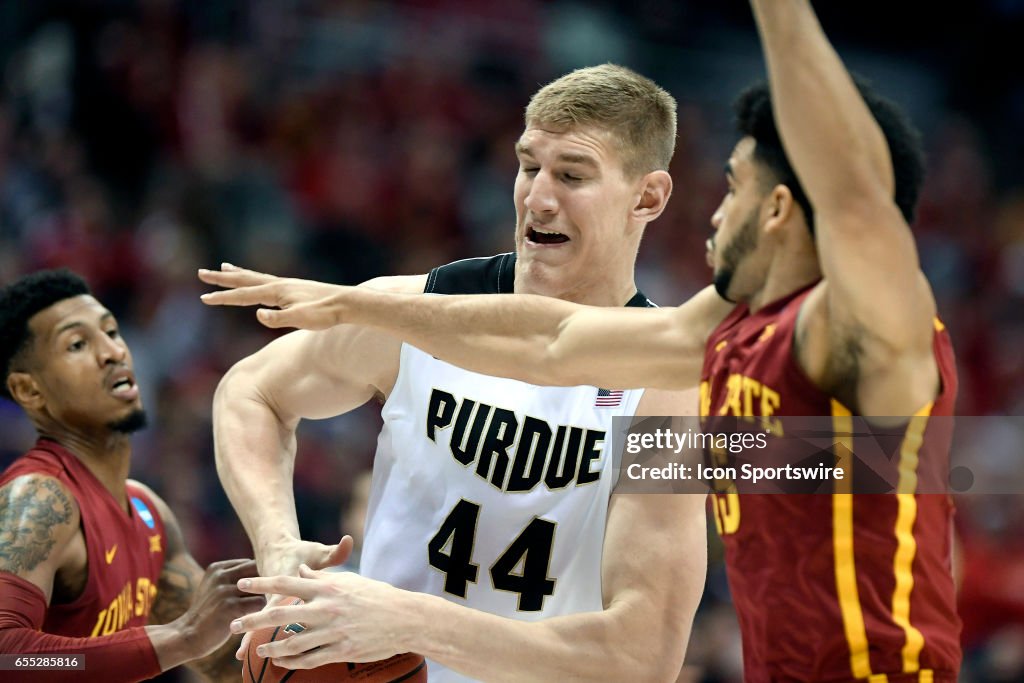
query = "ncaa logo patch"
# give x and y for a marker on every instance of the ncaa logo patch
(144, 514)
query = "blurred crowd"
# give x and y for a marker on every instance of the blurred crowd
(345, 139)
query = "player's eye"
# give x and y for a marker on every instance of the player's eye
(76, 345)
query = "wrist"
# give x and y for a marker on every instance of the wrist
(354, 305)
(418, 630)
(171, 643)
(274, 550)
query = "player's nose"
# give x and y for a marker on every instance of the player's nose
(111, 350)
(541, 196)
(716, 218)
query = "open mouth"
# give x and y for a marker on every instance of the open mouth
(539, 236)
(124, 388)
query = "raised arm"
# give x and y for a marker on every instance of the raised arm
(257, 408)
(39, 535)
(876, 302)
(535, 339)
(834, 143)
(653, 568)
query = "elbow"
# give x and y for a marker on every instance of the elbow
(651, 651)
(236, 398)
(228, 390)
(664, 658)
(665, 674)
(656, 671)
(223, 398)
(241, 386)
(658, 643)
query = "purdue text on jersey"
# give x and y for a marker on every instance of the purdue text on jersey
(513, 455)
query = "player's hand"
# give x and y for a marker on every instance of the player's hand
(217, 601)
(347, 618)
(284, 558)
(305, 304)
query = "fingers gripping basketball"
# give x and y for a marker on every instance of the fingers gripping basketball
(403, 668)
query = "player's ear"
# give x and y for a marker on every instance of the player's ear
(779, 206)
(25, 390)
(655, 189)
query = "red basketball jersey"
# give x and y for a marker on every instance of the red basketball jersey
(125, 549)
(834, 586)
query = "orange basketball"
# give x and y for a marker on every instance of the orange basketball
(404, 668)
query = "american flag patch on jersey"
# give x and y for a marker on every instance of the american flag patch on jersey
(608, 398)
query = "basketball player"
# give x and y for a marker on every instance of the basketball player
(494, 545)
(92, 563)
(834, 319)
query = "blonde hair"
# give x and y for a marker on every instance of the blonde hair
(639, 114)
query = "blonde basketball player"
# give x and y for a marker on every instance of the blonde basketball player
(496, 545)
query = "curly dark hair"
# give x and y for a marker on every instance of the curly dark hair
(754, 118)
(21, 300)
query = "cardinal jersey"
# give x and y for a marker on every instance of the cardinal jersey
(125, 549)
(840, 586)
(488, 491)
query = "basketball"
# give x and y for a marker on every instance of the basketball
(407, 668)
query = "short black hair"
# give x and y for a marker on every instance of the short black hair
(754, 118)
(21, 300)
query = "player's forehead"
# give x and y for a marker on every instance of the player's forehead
(68, 314)
(741, 163)
(586, 144)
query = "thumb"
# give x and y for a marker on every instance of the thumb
(340, 553)
(331, 555)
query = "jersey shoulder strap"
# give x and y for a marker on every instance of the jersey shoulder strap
(484, 275)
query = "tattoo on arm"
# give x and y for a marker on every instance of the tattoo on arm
(30, 511)
(178, 583)
(174, 593)
(179, 580)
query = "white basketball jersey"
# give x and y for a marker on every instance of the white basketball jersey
(487, 491)
(491, 492)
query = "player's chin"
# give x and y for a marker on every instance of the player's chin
(552, 260)
(723, 282)
(539, 276)
(130, 420)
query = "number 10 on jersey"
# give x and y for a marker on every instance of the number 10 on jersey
(522, 568)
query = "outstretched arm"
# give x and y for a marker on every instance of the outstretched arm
(536, 339)
(876, 303)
